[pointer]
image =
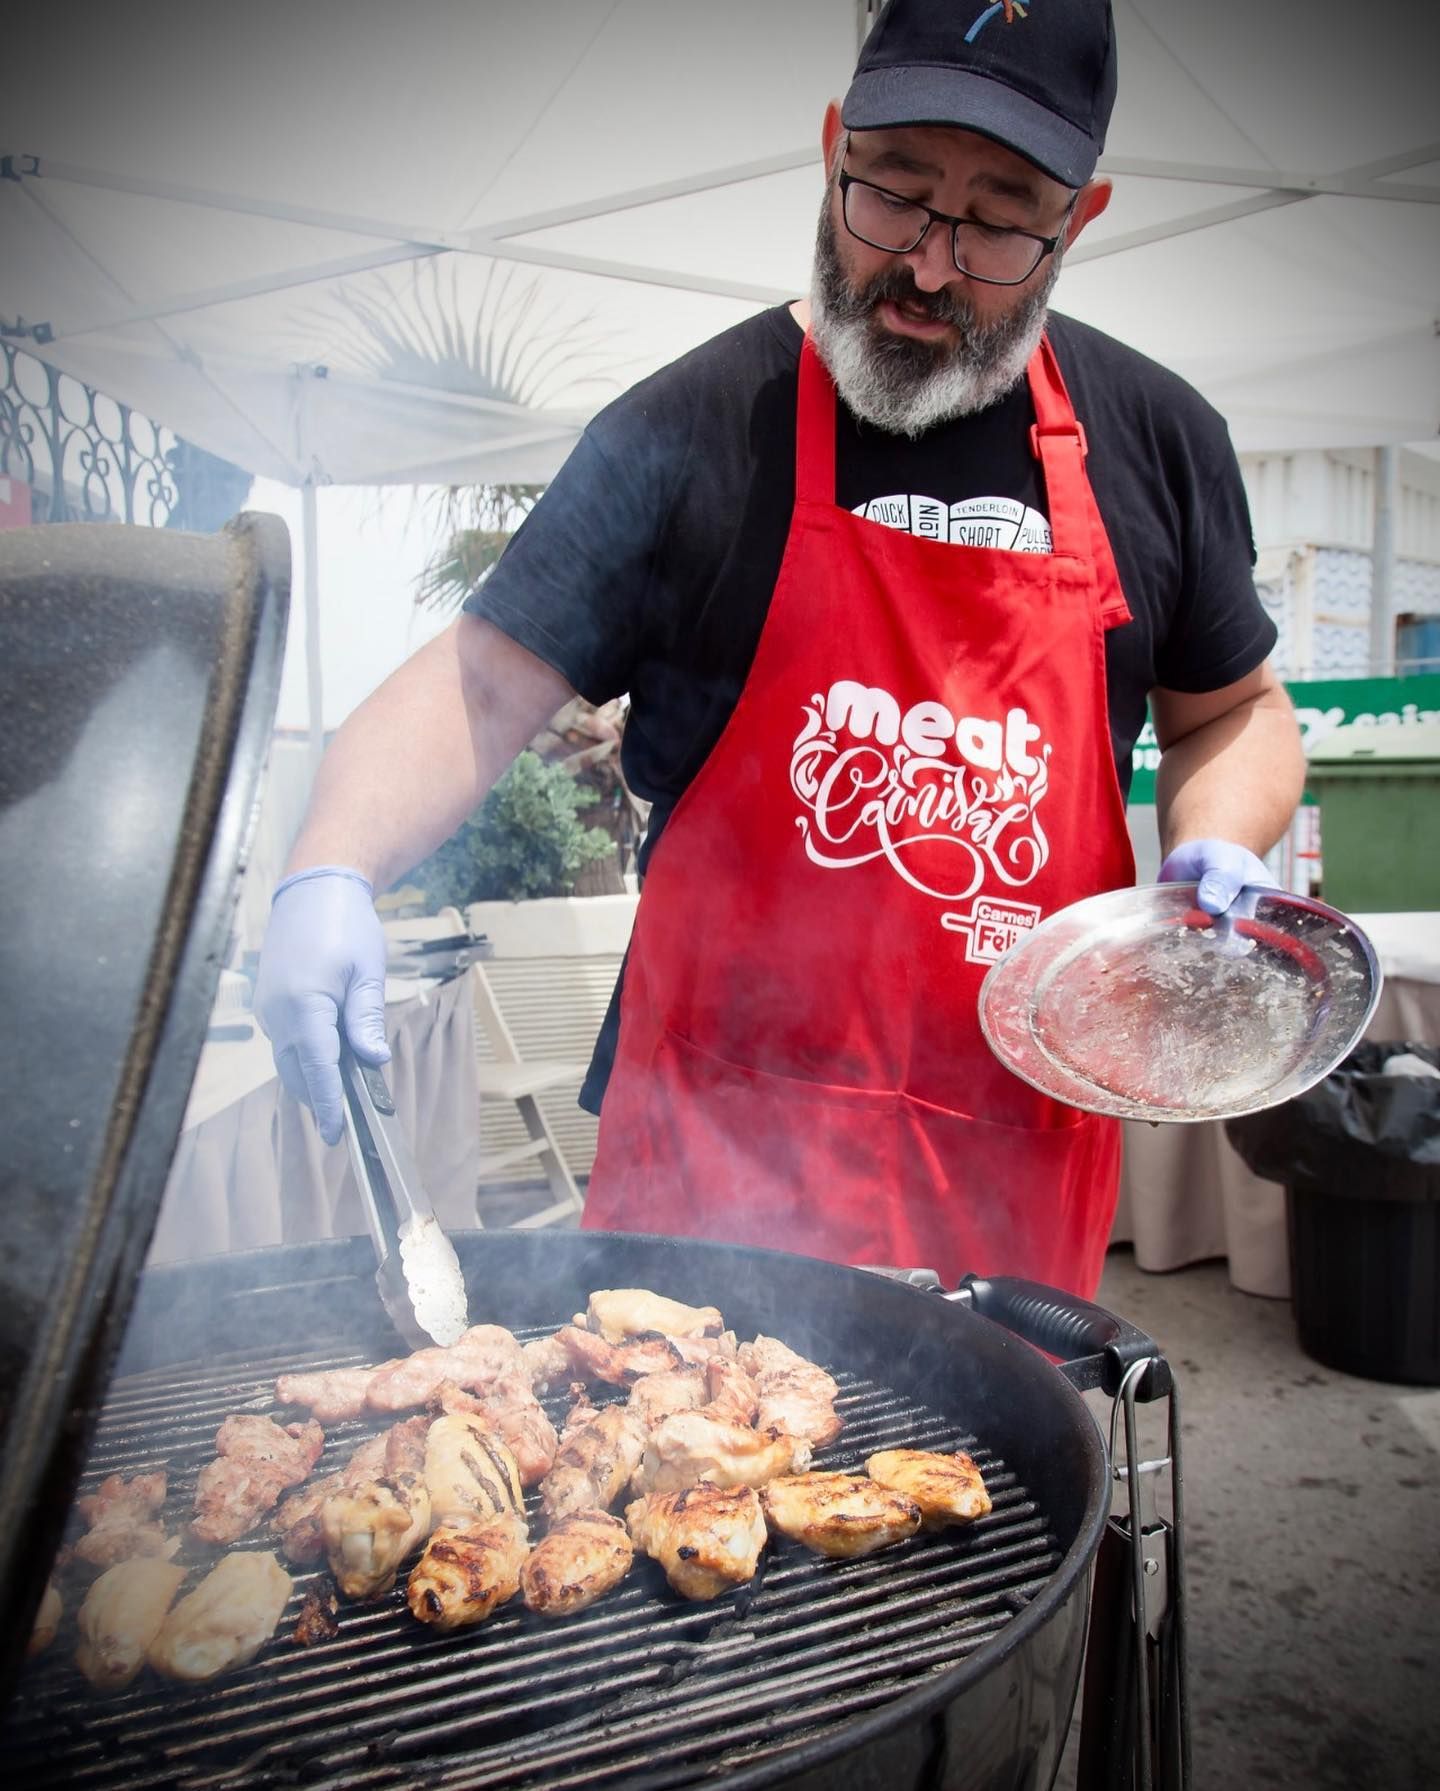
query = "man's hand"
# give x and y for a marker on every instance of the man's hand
(323, 956)
(1221, 868)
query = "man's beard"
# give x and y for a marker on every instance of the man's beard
(901, 383)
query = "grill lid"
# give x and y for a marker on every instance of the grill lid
(137, 696)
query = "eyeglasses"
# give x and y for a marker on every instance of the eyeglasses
(988, 252)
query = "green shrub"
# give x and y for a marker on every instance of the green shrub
(524, 841)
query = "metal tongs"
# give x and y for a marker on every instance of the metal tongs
(419, 1278)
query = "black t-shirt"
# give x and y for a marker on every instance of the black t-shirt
(648, 564)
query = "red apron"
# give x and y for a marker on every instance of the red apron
(918, 769)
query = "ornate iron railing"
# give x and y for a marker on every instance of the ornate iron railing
(84, 457)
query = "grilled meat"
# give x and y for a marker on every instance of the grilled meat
(949, 1489)
(688, 1447)
(593, 1464)
(547, 1362)
(405, 1446)
(255, 1462)
(330, 1394)
(510, 1409)
(839, 1514)
(693, 1350)
(734, 1396)
(618, 1364)
(672, 1390)
(318, 1613)
(578, 1561)
(484, 1354)
(370, 1529)
(225, 1621)
(707, 1538)
(469, 1473)
(297, 1521)
(465, 1574)
(795, 1394)
(582, 1412)
(121, 1617)
(121, 1515)
(616, 1313)
(47, 1620)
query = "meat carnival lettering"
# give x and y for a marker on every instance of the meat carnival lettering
(949, 801)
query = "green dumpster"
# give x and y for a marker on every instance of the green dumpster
(1378, 789)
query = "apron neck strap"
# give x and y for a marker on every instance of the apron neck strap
(1057, 440)
(814, 430)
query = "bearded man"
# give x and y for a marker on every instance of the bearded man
(888, 576)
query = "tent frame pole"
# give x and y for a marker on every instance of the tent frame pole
(314, 686)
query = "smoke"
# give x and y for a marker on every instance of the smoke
(899, 383)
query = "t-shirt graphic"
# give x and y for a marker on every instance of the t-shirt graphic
(998, 522)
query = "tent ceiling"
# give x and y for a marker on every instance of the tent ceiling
(214, 204)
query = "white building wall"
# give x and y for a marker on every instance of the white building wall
(1313, 519)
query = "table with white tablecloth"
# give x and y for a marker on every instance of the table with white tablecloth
(1185, 1193)
(251, 1170)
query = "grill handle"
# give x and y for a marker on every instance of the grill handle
(1094, 1347)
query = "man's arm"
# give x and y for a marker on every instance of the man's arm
(1231, 763)
(423, 751)
(408, 766)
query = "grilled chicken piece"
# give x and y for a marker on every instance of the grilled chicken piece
(405, 1446)
(469, 1473)
(689, 1447)
(839, 1514)
(672, 1390)
(547, 1362)
(370, 1529)
(593, 1465)
(121, 1617)
(707, 1538)
(121, 1515)
(616, 1313)
(317, 1619)
(510, 1409)
(619, 1364)
(255, 1462)
(297, 1521)
(693, 1350)
(225, 1621)
(582, 1412)
(330, 1393)
(734, 1397)
(581, 1558)
(795, 1394)
(486, 1353)
(466, 1574)
(47, 1620)
(949, 1489)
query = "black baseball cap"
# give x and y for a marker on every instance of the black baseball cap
(1035, 75)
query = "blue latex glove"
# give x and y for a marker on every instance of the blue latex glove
(324, 955)
(1220, 868)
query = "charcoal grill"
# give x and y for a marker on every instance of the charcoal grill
(951, 1660)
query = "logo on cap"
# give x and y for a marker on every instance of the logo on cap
(1012, 10)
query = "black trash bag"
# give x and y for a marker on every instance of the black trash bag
(1358, 1133)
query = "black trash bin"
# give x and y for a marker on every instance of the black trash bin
(1359, 1157)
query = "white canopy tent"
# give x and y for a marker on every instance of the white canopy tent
(256, 222)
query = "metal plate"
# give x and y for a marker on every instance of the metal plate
(1140, 1005)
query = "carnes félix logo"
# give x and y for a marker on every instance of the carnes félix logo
(1009, 10)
